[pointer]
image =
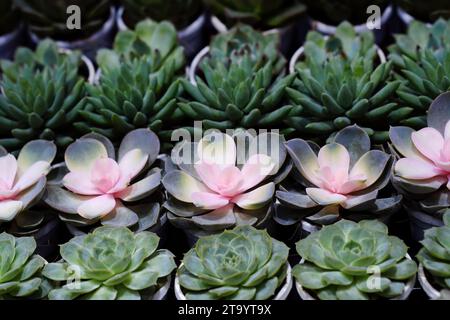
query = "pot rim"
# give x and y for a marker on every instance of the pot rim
(220, 27)
(331, 29)
(162, 292)
(188, 30)
(300, 51)
(282, 294)
(304, 295)
(431, 292)
(107, 26)
(407, 18)
(192, 70)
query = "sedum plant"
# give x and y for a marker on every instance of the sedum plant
(20, 269)
(239, 264)
(8, 16)
(340, 83)
(138, 86)
(110, 264)
(426, 11)
(42, 94)
(22, 184)
(180, 12)
(49, 18)
(241, 84)
(345, 178)
(219, 183)
(435, 254)
(258, 13)
(422, 170)
(99, 188)
(422, 60)
(354, 261)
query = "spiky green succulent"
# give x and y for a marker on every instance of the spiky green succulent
(240, 84)
(110, 264)
(341, 81)
(334, 12)
(346, 178)
(259, 13)
(49, 18)
(435, 254)
(354, 261)
(20, 269)
(42, 94)
(426, 10)
(422, 60)
(242, 264)
(180, 12)
(138, 86)
(8, 16)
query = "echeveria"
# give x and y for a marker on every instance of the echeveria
(241, 264)
(344, 176)
(22, 180)
(110, 264)
(99, 187)
(20, 269)
(354, 261)
(224, 184)
(435, 254)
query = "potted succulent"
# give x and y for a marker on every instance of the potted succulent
(22, 185)
(11, 32)
(239, 264)
(283, 17)
(98, 189)
(219, 183)
(42, 92)
(111, 264)
(20, 269)
(421, 172)
(434, 258)
(138, 84)
(420, 58)
(187, 16)
(238, 82)
(328, 14)
(354, 261)
(49, 20)
(429, 11)
(342, 81)
(345, 178)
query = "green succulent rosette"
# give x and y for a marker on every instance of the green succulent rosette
(239, 264)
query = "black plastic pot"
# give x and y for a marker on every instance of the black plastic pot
(193, 38)
(99, 40)
(10, 41)
(48, 238)
(420, 222)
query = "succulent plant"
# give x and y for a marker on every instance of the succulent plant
(221, 183)
(239, 264)
(49, 19)
(335, 12)
(110, 264)
(20, 269)
(22, 184)
(242, 83)
(421, 58)
(258, 13)
(435, 254)
(8, 16)
(344, 178)
(42, 94)
(354, 261)
(97, 188)
(426, 11)
(180, 12)
(138, 85)
(422, 171)
(340, 84)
